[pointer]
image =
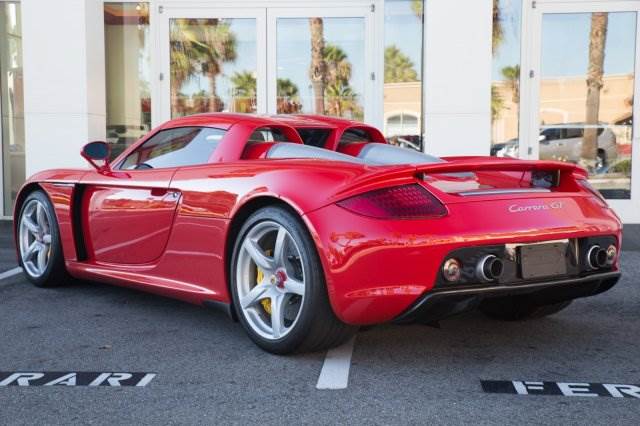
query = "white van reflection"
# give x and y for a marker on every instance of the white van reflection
(564, 142)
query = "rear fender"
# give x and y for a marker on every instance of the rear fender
(59, 185)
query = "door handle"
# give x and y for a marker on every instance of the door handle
(164, 192)
(158, 192)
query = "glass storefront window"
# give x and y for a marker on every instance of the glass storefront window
(11, 103)
(320, 66)
(128, 73)
(505, 87)
(403, 35)
(213, 65)
(586, 95)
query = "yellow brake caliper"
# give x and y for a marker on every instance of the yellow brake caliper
(266, 303)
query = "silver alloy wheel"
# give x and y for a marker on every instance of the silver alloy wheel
(270, 280)
(35, 238)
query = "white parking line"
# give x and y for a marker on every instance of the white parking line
(335, 370)
(10, 273)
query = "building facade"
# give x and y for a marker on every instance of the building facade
(534, 79)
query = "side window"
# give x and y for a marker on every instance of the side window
(355, 135)
(574, 132)
(182, 146)
(268, 134)
(553, 133)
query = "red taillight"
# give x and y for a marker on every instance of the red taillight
(399, 202)
(586, 185)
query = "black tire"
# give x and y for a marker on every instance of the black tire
(518, 308)
(55, 273)
(317, 327)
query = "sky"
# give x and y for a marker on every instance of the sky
(565, 42)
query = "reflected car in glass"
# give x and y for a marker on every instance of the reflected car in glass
(564, 143)
(303, 228)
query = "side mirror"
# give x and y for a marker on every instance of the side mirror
(96, 152)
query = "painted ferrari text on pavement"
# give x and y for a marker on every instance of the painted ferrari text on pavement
(70, 378)
(518, 387)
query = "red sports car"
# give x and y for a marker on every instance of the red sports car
(303, 228)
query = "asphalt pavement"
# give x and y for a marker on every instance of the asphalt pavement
(207, 371)
(7, 252)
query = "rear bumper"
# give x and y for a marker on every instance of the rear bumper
(441, 303)
(376, 270)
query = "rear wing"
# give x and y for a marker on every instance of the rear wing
(497, 165)
(404, 173)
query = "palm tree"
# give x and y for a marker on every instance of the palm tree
(288, 97)
(217, 44)
(512, 74)
(183, 62)
(318, 67)
(597, 41)
(498, 31)
(287, 88)
(199, 101)
(497, 103)
(398, 66)
(200, 46)
(244, 90)
(417, 7)
(339, 95)
(337, 64)
(342, 99)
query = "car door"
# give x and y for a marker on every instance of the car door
(128, 213)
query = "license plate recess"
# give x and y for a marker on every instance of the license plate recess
(543, 260)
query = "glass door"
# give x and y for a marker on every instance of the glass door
(212, 60)
(12, 138)
(275, 60)
(585, 95)
(320, 62)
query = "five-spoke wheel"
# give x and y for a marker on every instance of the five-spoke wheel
(271, 280)
(35, 238)
(39, 242)
(278, 286)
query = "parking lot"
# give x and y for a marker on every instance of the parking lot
(208, 371)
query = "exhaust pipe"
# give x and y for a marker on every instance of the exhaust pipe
(597, 257)
(489, 268)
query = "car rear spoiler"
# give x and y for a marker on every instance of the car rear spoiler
(498, 165)
(466, 165)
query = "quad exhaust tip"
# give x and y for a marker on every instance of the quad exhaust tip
(598, 257)
(490, 268)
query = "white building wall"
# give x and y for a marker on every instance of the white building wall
(458, 76)
(64, 80)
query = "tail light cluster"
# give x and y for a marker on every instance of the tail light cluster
(410, 201)
(586, 185)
